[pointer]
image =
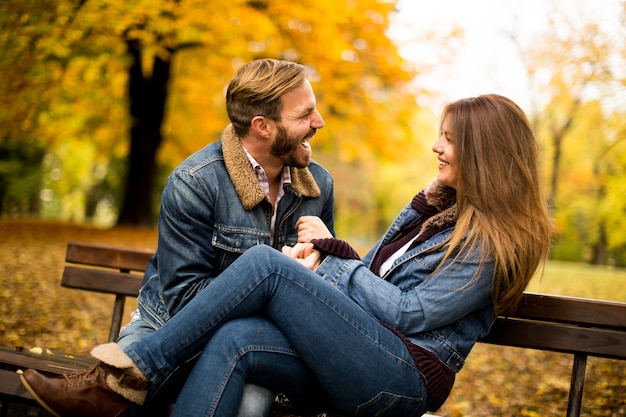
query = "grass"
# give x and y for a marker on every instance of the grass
(496, 381)
(581, 280)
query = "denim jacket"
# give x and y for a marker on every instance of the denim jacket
(440, 313)
(213, 208)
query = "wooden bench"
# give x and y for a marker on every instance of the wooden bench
(581, 327)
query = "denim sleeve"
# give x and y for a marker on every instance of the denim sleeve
(427, 303)
(185, 259)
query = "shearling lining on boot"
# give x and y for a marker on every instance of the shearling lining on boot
(122, 368)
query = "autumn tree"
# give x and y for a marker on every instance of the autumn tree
(145, 79)
(63, 89)
(577, 69)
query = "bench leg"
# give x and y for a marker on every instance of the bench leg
(576, 386)
(116, 319)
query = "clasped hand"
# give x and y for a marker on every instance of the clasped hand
(309, 227)
(305, 254)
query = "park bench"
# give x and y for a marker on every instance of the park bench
(577, 326)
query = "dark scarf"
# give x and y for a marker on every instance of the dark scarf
(436, 204)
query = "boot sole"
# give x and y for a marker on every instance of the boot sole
(36, 397)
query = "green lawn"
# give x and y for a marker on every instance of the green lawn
(581, 280)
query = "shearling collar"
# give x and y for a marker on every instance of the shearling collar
(245, 180)
(444, 198)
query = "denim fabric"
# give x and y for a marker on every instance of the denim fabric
(444, 312)
(136, 329)
(203, 228)
(256, 400)
(362, 367)
(241, 350)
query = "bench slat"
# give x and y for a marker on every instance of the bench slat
(101, 281)
(579, 311)
(12, 360)
(108, 256)
(558, 337)
(10, 385)
(56, 364)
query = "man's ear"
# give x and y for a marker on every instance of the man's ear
(261, 126)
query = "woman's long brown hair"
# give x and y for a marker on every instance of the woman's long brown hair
(500, 202)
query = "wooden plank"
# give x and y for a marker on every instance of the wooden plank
(11, 386)
(580, 311)
(101, 281)
(12, 360)
(58, 364)
(108, 256)
(558, 337)
(577, 384)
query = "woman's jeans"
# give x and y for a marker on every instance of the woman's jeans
(269, 320)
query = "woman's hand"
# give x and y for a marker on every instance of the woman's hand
(311, 227)
(298, 251)
(305, 254)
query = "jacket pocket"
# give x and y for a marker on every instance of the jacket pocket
(237, 239)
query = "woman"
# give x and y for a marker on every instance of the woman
(326, 323)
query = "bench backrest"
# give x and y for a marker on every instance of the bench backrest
(564, 324)
(545, 322)
(106, 269)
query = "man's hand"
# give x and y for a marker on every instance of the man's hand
(311, 227)
(305, 254)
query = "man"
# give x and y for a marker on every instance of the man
(256, 185)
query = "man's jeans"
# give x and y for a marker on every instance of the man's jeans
(256, 400)
(269, 320)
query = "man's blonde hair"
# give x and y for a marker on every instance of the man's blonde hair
(257, 88)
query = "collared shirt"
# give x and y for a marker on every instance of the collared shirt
(265, 183)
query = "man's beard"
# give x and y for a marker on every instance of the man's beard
(289, 149)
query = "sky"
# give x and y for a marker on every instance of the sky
(486, 60)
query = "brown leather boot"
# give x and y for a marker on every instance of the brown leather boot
(107, 389)
(82, 394)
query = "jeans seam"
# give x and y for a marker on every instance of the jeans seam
(228, 372)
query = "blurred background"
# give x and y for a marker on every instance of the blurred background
(101, 99)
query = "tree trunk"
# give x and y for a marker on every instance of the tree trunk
(600, 251)
(147, 96)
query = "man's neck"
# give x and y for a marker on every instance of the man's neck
(272, 166)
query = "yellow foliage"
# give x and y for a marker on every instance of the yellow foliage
(73, 60)
(581, 125)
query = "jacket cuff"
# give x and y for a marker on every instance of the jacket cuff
(335, 247)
